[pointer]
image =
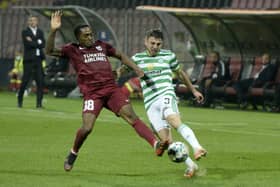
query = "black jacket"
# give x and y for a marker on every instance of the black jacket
(31, 46)
(266, 75)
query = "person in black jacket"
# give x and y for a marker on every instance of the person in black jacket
(218, 77)
(266, 74)
(34, 42)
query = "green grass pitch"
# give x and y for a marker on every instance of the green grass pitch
(243, 148)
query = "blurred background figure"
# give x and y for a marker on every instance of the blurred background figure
(217, 77)
(16, 73)
(265, 74)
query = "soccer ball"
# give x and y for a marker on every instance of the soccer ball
(178, 152)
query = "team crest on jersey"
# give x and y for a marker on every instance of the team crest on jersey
(150, 66)
(99, 48)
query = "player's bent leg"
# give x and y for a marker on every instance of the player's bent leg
(128, 114)
(81, 135)
(187, 133)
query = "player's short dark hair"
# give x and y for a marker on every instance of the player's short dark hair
(157, 33)
(77, 30)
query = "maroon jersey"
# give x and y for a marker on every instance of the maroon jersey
(92, 65)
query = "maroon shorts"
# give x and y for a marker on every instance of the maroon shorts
(111, 98)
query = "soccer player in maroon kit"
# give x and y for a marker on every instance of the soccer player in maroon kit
(97, 84)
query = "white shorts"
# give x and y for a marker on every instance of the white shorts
(160, 109)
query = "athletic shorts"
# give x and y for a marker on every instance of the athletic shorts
(113, 99)
(160, 109)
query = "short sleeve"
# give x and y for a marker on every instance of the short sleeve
(111, 51)
(174, 65)
(66, 50)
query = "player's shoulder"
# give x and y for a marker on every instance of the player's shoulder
(71, 45)
(101, 43)
(140, 55)
(166, 52)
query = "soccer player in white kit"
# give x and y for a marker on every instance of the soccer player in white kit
(159, 95)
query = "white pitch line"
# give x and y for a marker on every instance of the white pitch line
(244, 132)
(112, 119)
(233, 131)
(61, 115)
(218, 123)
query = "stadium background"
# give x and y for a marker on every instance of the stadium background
(189, 35)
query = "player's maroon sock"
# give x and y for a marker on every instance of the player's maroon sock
(143, 131)
(81, 135)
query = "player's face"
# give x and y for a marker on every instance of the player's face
(86, 37)
(153, 45)
(33, 22)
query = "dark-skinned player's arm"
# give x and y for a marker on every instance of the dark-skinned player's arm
(55, 25)
(126, 61)
(184, 77)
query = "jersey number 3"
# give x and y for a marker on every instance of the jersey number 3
(89, 105)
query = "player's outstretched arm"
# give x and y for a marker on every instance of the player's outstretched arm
(125, 60)
(184, 77)
(55, 25)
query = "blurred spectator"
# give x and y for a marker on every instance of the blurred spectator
(217, 77)
(276, 103)
(266, 74)
(16, 73)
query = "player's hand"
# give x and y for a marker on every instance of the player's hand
(56, 20)
(198, 96)
(139, 72)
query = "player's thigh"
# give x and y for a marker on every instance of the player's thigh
(88, 120)
(168, 106)
(92, 105)
(117, 101)
(156, 118)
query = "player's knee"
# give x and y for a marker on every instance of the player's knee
(87, 128)
(129, 115)
(174, 121)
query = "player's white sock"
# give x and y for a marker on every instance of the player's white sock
(189, 162)
(187, 133)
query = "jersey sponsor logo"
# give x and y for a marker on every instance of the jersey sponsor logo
(153, 72)
(99, 48)
(94, 57)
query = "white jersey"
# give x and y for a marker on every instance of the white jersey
(158, 74)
